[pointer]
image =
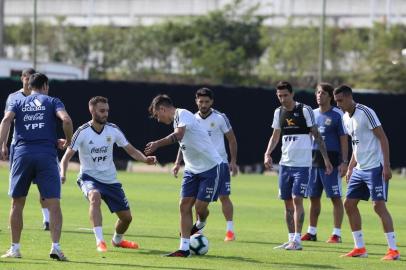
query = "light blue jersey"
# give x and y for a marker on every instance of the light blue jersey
(12, 98)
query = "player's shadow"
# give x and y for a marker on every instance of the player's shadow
(234, 258)
(152, 236)
(260, 242)
(304, 265)
(13, 261)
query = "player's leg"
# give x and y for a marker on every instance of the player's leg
(45, 214)
(21, 174)
(314, 191)
(379, 194)
(226, 203)
(122, 224)
(356, 190)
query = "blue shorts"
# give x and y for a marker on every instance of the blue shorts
(225, 180)
(112, 194)
(319, 180)
(367, 183)
(41, 167)
(293, 181)
(203, 186)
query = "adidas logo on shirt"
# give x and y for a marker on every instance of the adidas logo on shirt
(33, 106)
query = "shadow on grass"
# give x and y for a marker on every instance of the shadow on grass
(260, 242)
(306, 265)
(19, 261)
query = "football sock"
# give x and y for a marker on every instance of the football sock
(45, 214)
(358, 239)
(184, 244)
(390, 238)
(200, 224)
(312, 230)
(98, 234)
(298, 237)
(117, 238)
(56, 246)
(291, 237)
(337, 231)
(15, 246)
(230, 226)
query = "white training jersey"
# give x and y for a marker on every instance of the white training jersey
(198, 151)
(216, 124)
(96, 151)
(296, 148)
(365, 144)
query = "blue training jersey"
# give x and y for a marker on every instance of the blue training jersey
(12, 98)
(330, 126)
(35, 124)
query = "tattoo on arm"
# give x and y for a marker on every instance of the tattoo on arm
(319, 140)
(174, 138)
(290, 220)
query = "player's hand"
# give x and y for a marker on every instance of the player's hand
(348, 175)
(62, 144)
(386, 173)
(233, 168)
(175, 170)
(268, 162)
(63, 179)
(151, 160)
(4, 152)
(342, 169)
(150, 148)
(329, 167)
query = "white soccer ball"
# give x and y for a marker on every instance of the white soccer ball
(199, 244)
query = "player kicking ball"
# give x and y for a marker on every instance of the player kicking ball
(98, 176)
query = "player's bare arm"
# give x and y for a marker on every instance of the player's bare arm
(172, 138)
(351, 166)
(383, 140)
(67, 126)
(273, 141)
(178, 162)
(322, 146)
(4, 131)
(69, 153)
(344, 155)
(232, 144)
(137, 155)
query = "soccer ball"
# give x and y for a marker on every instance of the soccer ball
(199, 244)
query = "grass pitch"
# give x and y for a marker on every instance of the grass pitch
(259, 225)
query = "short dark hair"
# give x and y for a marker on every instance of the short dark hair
(284, 85)
(28, 71)
(37, 81)
(204, 92)
(98, 99)
(345, 89)
(326, 87)
(159, 100)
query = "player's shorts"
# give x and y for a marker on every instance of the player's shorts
(225, 180)
(319, 180)
(43, 168)
(293, 181)
(364, 184)
(112, 194)
(203, 186)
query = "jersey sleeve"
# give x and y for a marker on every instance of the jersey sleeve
(372, 118)
(184, 119)
(77, 139)
(8, 101)
(309, 116)
(120, 138)
(225, 125)
(58, 105)
(275, 122)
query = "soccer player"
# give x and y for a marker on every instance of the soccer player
(295, 122)
(35, 158)
(202, 166)
(217, 126)
(21, 94)
(368, 171)
(98, 176)
(330, 125)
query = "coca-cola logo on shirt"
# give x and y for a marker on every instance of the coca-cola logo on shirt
(33, 117)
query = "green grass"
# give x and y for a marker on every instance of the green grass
(259, 226)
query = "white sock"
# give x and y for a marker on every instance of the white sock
(45, 215)
(184, 244)
(298, 237)
(98, 234)
(230, 226)
(15, 246)
(358, 239)
(390, 238)
(200, 224)
(312, 230)
(337, 231)
(291, 237)
(117, 238)
(56, 246)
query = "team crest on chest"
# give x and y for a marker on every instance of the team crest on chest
(108, 139)
(328, 121)
(212, 124)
